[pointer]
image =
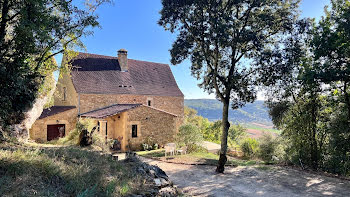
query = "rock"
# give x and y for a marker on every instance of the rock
(168, 191)
(153, 173)
(155, 177)
(141, 170)
(159, 172)
(165, 182)
(158, 182)
(31, 114)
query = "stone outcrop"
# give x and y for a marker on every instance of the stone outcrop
(162, 185)
(32, 114)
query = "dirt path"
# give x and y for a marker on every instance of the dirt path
(251, 181)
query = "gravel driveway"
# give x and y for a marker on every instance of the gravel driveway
(251, 181)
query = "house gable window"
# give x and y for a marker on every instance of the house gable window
(64, 93)
(134, 130)
(149, 102)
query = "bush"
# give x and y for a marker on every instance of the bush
(71, 139)
(267, 148)
(235, 133)
(149, 144)
(100, 141)
(249, 147)
(189, 135)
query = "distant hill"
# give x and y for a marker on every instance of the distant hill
(212, 109)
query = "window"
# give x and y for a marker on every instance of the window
(149, 101)
(64, 93)
(106, 129)
(134, 130)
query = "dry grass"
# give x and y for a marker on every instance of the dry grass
(196, 158)
(63, 171)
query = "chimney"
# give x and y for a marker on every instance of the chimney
(123, 59)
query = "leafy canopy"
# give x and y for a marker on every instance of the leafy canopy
(223, 37)
(32, 32)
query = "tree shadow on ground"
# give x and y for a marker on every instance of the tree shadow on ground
(250, 181)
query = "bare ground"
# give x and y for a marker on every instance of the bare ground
(252, 181)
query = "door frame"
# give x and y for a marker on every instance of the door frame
(58, 126)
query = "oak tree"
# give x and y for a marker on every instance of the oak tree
(224, 39)
(32, 32)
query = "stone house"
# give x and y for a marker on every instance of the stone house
(129, 99)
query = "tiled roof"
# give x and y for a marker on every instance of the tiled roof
(109, 110)
(115, 109)
(54, 110)
(98, 74)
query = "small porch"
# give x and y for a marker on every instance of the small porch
(133, 124)
(112, 122)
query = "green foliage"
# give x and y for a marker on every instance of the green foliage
(269, 149)
(72, 138)
(249, 147)
(149, 144)
(189, 135)
(214, 131)
(309, 91)
(212, 109)
(236, 133)
(331, 46)
(31, 34)
(211, 131)
(223, 40)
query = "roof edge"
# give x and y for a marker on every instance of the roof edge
(130, 94)
(136, 105)
(49, 109)
(160, 110)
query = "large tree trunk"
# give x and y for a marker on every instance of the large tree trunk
(4, 13)
(225, 126)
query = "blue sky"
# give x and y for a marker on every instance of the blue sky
(133, 25)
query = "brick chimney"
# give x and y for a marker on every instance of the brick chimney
(123, 59)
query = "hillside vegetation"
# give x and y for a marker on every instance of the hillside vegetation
(212, 109)
(64, 171)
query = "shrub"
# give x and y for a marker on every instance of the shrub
(249, 147)
(100, 141)
(189, 135)
(267, 147)
(235, 133)
(71, 139)
(149, 144)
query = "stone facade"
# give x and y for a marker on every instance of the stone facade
(158, 118)
(71, 98)
(154, 125)
(38, 132)
(174, 105)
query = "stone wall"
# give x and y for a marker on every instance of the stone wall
(38, 131)
(71, 95)
(173, 105)
(153, 124)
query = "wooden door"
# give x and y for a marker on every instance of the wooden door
(55, 131)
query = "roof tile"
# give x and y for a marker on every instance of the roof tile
(98, 74)
(109, 110)
(54, 110)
